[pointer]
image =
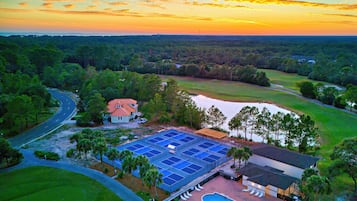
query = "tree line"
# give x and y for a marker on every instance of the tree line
(330, 95)
(296, 130)
(23, 100)
(334, 58)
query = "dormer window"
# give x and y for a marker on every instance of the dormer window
(118, 106)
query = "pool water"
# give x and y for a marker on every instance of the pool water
(215, 197)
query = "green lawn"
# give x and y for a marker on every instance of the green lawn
(334, 125)
(43, 183)
(288, 80)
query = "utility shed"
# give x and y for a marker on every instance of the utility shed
(211, 133)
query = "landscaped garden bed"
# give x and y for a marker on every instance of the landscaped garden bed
(132, 182)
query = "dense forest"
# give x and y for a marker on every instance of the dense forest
(332, 59)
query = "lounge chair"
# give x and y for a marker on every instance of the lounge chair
(188, 193)
(261, 195)
(257, 193)
(245, 190)
(199, 186)
(197, 189)
(252, 192)
(183, 198)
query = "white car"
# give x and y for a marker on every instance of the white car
(142, 120)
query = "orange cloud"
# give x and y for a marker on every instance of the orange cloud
(54, 1)
(91, 7)
(47, 5)
(341, 15)
(349, 7)
(69, 6)
(24, 4)
(216, 5)
(123, 12)
(152, 5)
(339, 6)
(14, 10)
(118, 3)
(127, 13)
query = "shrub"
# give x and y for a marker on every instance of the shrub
(340, 102)
(114, 140)
(130, 136)
(106, 170)
(47, 155)
(8, 155)
(164, 118)
(120, 174)
(70, 153)
(84, 120)
(144, 195)
(307, 89)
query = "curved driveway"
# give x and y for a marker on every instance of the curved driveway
(67, 110)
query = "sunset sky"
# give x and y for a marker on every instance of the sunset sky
(223, 17)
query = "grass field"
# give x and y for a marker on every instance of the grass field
(288, 80)
(43, 184)
(334, 125)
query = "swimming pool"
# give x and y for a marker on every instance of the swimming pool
(215, 197)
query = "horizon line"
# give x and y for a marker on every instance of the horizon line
(39, 33)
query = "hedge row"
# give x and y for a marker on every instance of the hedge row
(47, 155)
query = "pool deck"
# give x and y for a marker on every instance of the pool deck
(230, 188)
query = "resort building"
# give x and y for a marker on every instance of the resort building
(275, 171)
(122, 110)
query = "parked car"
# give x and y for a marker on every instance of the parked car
(142, 120)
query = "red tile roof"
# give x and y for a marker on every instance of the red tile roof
(121, 107)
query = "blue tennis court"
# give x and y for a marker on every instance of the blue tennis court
(194, 156)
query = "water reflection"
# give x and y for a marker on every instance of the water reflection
(229, 109)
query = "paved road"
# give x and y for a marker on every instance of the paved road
(119, 189)
(66, 110)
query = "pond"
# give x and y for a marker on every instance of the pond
(230, 109)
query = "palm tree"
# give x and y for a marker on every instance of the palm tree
(143, 164)
(153, 178)
(236, 153)
(142, 160)
(84, 145)
(315, 186)
(75, 137)
(124, 154)
(113, 154)
(247, 153)
(129, 164)
(143, 169)
(100, 147)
